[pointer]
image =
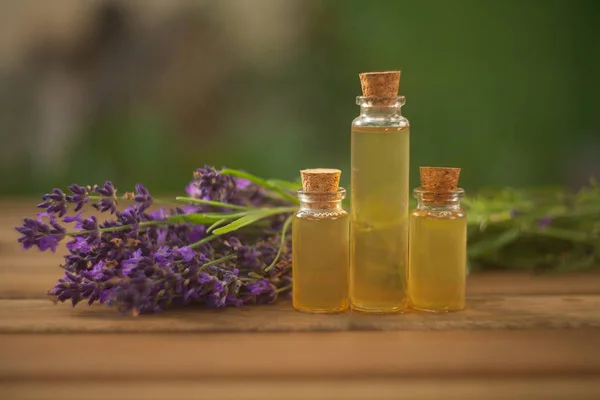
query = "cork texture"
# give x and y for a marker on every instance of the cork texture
(438, 179)
(320, 180)
(438, 182)
(380, 84)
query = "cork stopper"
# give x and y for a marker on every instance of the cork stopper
(440, 181)
(380, 84)
(322, 184)
(320, 180)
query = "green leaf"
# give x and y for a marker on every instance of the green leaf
(212, 203)
(486, 246)
(251, 217)
(216, 224)
(260, 182)
(566, 234)
(199, 219)
(285, 184)
(284, 230)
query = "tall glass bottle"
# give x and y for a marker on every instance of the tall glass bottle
(438, 243)
(320, 243)
(379, 197)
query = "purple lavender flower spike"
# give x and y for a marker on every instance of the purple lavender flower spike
(109, 202)
(55, 202)
(211, 185)
(142, 197)
(193, 190)
(68, 288)
(78, 219)
(148, 270)
(79, 196)
(162, 255)
(78, 245)
(158, 215)
(185, 253)
(36, 233)
(545, 222)
(247, 256)
(260, 286)
(128, 265)
(242, 183)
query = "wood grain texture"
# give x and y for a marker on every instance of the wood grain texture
(485, 312)
(583, 388)
(315, 355)
(522, 336)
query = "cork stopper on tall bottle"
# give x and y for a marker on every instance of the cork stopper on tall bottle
(380, 84)
(438, 182)
(322, 184)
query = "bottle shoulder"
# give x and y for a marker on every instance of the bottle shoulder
(439, 214)
(310, 214)
(367, 121)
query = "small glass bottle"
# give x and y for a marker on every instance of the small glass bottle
(320, 240)
(438, 243)
(379, 197)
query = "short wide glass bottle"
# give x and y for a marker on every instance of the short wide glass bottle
(438, 252)
(320, 231)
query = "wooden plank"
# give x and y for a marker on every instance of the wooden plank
(380, 389)
(509, 312)
(315, 355)
(27, 275)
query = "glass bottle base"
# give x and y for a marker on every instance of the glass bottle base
(321, 310)
(378, 310)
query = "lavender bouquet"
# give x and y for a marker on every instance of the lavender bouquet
(225, 246)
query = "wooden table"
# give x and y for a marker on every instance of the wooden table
(522, 337)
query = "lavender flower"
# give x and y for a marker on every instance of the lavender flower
(208, 184)
(139, 262)
(55, 202)
(41, 235)
(247, 256)
(142, 197)
(79, 196)
(109, 202)
(545, 222)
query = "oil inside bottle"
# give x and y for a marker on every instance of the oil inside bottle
(379, 218)
(437, 260)
(320, 259)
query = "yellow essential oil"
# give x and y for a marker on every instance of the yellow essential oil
(320, 237)
(379, 203)
(438, 251)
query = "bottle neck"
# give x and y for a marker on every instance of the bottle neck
(380, 107)
(380, 112)
(331, 201)
(438, 201)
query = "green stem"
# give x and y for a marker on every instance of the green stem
(202, 241)
(286, 226)
(212, 203)
(283, 289)
(117, 228)
(218, 261)
(215, 225)
(154, 200)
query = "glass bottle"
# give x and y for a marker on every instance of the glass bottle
(438, 251)
(379, 205)
(320, 240)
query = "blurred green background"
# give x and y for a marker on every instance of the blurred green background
(146, 91)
